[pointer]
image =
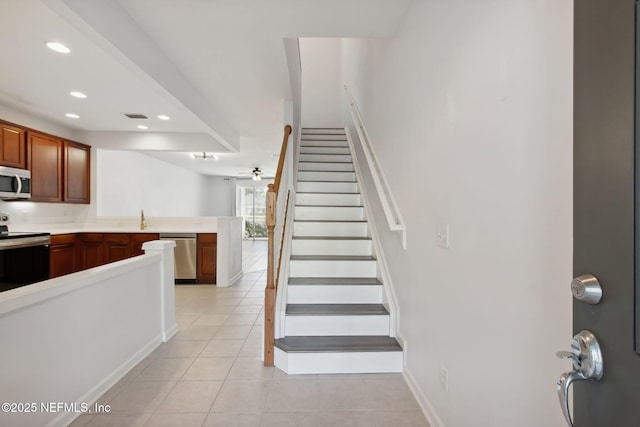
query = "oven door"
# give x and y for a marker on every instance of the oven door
(20, 266)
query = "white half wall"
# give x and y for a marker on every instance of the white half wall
(70, 339)
(130, 181)
(469, 109)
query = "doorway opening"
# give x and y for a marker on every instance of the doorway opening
(253, 208)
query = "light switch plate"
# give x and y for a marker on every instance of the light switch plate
(442, 236)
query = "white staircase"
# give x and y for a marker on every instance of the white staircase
(335, 319)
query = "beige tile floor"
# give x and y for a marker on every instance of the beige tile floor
(210, 374)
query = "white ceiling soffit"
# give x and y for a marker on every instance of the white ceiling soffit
(143, 141)
(254, 154)
(115, 25)
(36, 81)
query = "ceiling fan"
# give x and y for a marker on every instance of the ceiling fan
(256, 174)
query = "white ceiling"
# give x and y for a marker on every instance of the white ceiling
(216, 67)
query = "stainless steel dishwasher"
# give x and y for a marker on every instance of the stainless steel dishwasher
(185, 255)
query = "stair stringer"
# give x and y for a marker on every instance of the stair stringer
(283, 282)
(391, 302)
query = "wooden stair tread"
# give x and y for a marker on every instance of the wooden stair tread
(338, 281)
(330, 238)
(330, 220)
(332, 258)
(325, 192)
(337, 344)
(329, 206)
(336, 310)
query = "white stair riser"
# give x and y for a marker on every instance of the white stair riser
(344, 158)
(324, 150)
(324, 143)
(327, 176)
(328, 199)
(323, 136)
(317, 166)
(328, 187)
(357, 362)
(342, 213)
(347, 268)
(334, 294)
(330, 325)
(331, 247)
(322, 131)
(332, 229)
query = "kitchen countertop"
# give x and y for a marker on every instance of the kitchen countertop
(125, 225)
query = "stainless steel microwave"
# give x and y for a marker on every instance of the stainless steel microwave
(15, 183)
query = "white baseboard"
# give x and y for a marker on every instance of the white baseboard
(170, 332)
(236, 278)
(91, 396)
(425, 405)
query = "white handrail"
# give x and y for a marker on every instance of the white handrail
(389, 205)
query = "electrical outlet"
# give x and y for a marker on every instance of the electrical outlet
(444, 377)
(442, 236)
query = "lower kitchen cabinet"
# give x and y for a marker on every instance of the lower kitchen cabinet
(91, 250)
(69, 253)
(207, 254)
(63, 255)
(138, 239)
(117, 246)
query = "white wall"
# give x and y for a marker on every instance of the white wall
(470, 111)
(219, 196)
(321, 70)
(130, 181)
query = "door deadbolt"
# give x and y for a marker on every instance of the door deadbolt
(586, 288)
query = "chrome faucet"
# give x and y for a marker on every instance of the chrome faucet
(143, 222)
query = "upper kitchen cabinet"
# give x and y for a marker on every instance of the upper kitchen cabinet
(12, 147)
(77, 167)
(45, 162)
(60, 170)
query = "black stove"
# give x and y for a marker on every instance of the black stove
(24, 258)
(20, 239)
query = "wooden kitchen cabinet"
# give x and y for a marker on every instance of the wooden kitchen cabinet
(77, 173)
(138, 239)
(13, 147)
(44, 160)
(207, 254)
(69, 253)
(63, 255)
(117, 246)
(92, 251)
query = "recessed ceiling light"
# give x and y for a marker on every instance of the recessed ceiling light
(163, 117)
(72, 116)
(77, 94)
(58, 47)
(142, 127)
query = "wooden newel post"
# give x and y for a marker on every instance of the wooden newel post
(270, 291)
